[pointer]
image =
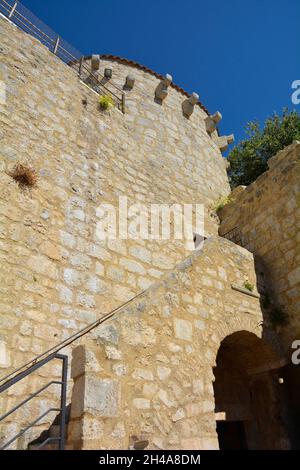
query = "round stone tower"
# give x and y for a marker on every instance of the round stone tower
(173, 140)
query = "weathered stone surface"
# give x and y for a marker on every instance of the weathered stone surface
(92, 428)
(265, 218)
(136, 333)
(132, 266)
(4, 356)
(183, 329)
(163, 372)
(83, 360)
(106, 334)
(51, 250)
(142, 374)
(57, 276)
(113, 353)
(141, 403)
(41, 265)
(180, 414)
(97, 396)
(164, 397)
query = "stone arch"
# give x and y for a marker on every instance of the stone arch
(231, 326)
(250, 408)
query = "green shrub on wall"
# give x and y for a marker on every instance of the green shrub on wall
(249, 158)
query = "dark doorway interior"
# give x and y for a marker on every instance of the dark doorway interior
(248, 396)
(231, 435)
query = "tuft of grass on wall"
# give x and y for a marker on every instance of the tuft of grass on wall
(221, 202)
(24, 175)
(248, 286)
(106, 102)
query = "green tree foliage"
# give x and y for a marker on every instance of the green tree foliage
(249, 158)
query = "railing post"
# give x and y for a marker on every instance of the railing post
(12, 9)
(123, 103)
(80, 66)
(56, 45)
(63, 398)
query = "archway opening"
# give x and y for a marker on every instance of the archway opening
(249, 406)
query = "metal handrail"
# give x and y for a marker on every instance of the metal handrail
(16, 12)
(21, 19)
(15, 408)
(37, 361)
(63, 397)
(97, 83)
(85, 58)
(235, 235)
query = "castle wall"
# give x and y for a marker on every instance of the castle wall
(266, 215)
(149, 372)
(56, 276)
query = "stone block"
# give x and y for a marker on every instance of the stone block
(4, 355)
(183, 329)
(106, 334)
(161, 91)
(98, 396)
(212, 121)
(166, 399)
(224, 141)
(2, 93)
(42, 265)
(189, 104)
(135, 332)
(129, 82)
(133, 266)
(95, 62)
(143, 374)
(113, 353)
(92, 428)
(141, 403)
(163, 372)
(179, 414)
(83, 361)
(141, 254)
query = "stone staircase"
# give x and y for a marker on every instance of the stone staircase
(46, 441)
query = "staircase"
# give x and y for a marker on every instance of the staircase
(54, 438)
(48, 439)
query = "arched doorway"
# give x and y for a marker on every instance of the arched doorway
(250, 410)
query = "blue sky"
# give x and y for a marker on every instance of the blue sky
(240, 56)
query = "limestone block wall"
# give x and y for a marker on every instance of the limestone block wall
(267, 215)
(56, 275)
(149, 372)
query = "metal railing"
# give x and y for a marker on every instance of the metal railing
(28, 22)
(97, 83)
(235, 236)
(61, 410)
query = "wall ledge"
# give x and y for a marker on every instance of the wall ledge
(243, 290)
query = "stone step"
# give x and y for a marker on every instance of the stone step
(45, 447)
(54, 430)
